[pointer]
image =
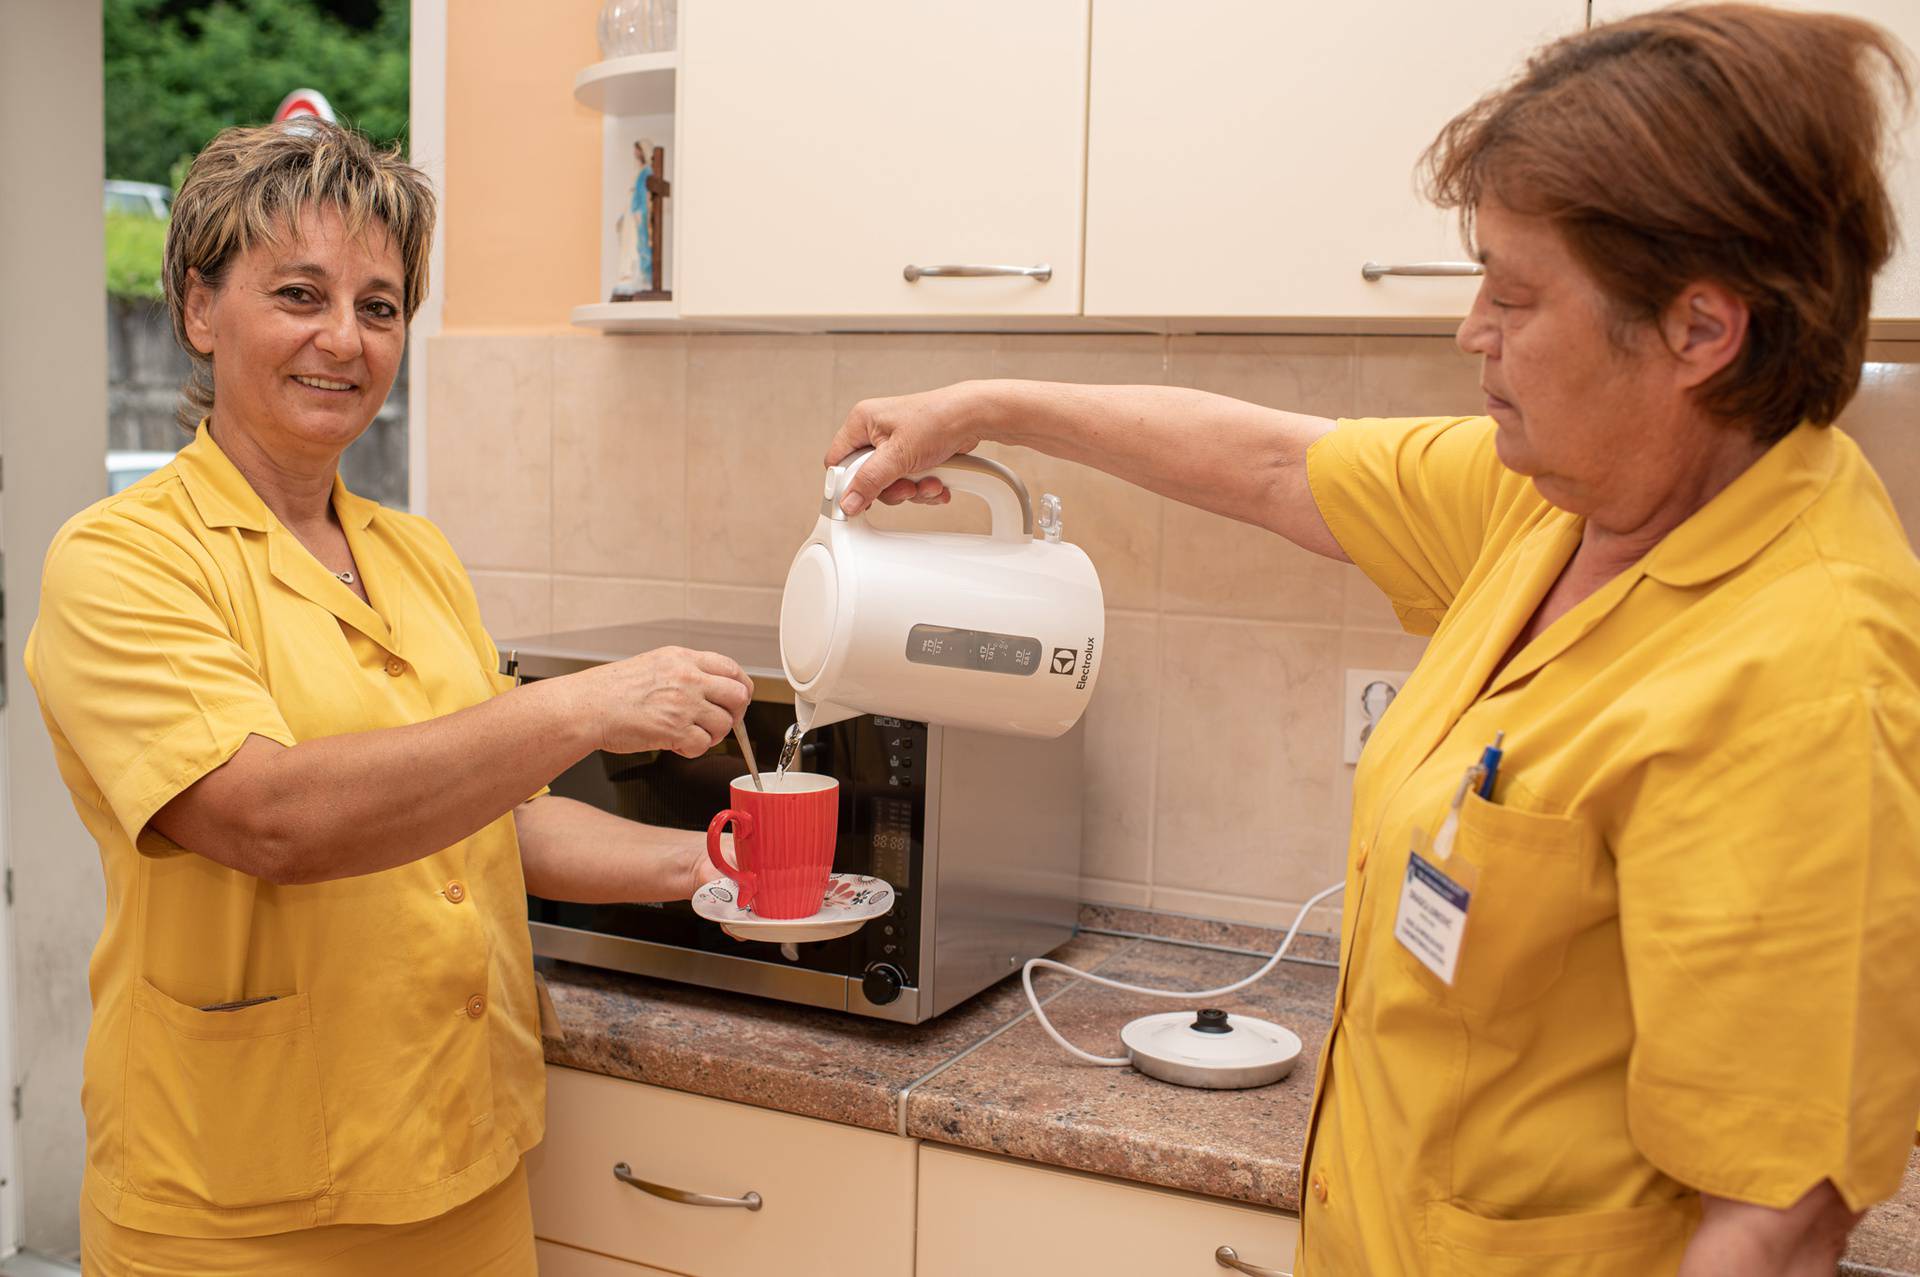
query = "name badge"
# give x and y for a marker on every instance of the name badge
(1432, 917)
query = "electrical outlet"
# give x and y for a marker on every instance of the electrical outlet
(1369, 692)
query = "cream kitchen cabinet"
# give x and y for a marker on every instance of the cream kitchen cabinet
(570, 1261)
(832, 1199)
(1896, 294)
(825, 148)
(1046, 1220)
(1247, 158)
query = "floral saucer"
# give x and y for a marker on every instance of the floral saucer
(850, 902)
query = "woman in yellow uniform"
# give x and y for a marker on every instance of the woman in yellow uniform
(315, 1043)
(1652, 1003)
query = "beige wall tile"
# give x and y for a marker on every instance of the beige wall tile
(1105, 891)
(759, 416)
(490, 452)
(1415, 377)
(1380, 650)
(619, 456)
(1244, 803)
(1366, 604)
(1218, 567)
(1121, 742)
(1117, 524)
(1121, 359)
(1221, 567)
(733, 604)
(1298, 374)
(514, 604)
(878, 365)
(585, 602)
(1884, 418)
(1261, 912)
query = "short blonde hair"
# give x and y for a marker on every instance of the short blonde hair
(250, 185)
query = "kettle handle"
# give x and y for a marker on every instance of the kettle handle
(1006, 496)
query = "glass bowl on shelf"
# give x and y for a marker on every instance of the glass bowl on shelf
(638, 26)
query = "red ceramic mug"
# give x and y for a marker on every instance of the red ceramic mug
(783, 840)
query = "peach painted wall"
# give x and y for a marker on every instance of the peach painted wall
(521, 212)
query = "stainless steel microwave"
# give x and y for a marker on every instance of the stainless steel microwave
(979, 835)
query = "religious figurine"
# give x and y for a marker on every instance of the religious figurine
(639, 229)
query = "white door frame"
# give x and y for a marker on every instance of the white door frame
(53, 439)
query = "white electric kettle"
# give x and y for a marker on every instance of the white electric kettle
(1001, 632)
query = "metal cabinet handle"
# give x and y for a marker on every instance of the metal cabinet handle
(1374, 270)
(623, 1173)
(1226, 1258)
(1042, 272)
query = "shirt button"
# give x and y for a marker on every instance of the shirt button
(396, 666)
(476, 1006)
(454, 893)
(1320, 1188)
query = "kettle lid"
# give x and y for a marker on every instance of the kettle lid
(807, 613)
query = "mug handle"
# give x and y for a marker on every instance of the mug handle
(742, 825)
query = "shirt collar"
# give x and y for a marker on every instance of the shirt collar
(1749, 513)
(218, 490)
(225, 499)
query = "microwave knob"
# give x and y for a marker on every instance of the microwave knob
(883, 983)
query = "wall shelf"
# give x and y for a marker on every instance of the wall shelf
(642, 84)
(627, 317)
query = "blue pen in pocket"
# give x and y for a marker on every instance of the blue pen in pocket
(1490, 766)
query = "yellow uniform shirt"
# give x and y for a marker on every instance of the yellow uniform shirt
(396, 1070)
(1691, 960)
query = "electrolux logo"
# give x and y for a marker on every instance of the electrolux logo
(1086, 668)
(1064, 659)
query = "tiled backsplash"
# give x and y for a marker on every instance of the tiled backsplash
(588, 480)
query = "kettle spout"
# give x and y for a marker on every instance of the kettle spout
(808, 715)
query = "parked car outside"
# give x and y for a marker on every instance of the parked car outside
(126, 468)
(141, 199)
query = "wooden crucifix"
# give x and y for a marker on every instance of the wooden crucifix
(658, 189)
(641, 230)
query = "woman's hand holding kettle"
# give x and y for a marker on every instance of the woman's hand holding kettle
(910, 434)
(671, 698)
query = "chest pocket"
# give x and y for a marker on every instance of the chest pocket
(1535, 888)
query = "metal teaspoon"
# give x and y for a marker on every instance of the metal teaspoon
(746, 751)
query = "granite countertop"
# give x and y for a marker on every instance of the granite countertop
(985, 1076)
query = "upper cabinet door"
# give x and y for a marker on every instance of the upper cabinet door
(1896, 293)
(1246, 158)
(827, 147)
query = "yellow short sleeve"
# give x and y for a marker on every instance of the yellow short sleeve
(134, 661)
(1767, 896)
(1410, 500)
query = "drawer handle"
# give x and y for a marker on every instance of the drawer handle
(1374, 270)
(1042, 272)
(1227, 1258)
(624, 1173)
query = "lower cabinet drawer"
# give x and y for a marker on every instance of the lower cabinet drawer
(983, 1214)
(833, 1199)
(556, 1260)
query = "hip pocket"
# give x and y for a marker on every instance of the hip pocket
(1646, 1241)
(223, 1107)
(1533, 890)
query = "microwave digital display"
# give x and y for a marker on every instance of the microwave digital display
(891, 820)
(973, 650)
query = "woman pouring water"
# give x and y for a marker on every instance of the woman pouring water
(315, 1045)
(1656, 1008)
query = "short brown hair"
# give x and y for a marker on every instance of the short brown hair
(1727, 142)
(249, 185)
